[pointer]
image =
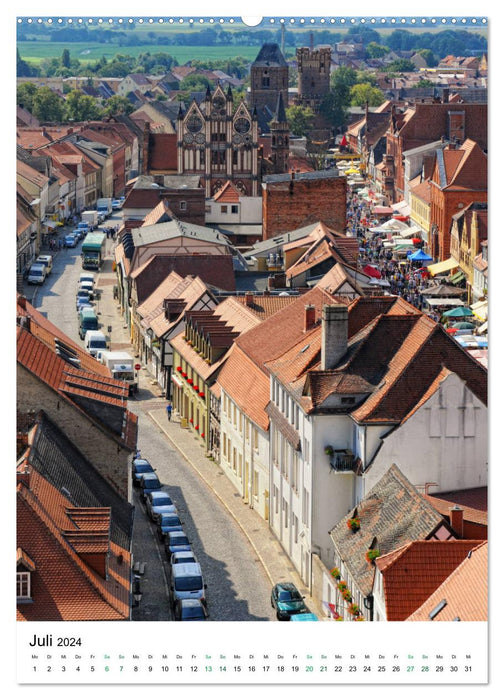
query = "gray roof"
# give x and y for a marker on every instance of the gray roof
(60, 462)
(263, 247)
(393, 514)
(144, 235)
(315, 175)
(270, 55)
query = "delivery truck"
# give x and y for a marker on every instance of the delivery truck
(122, 366)
(104, 206)
(93, 250)
(91, 218)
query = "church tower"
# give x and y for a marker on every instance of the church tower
(269, 75)
(279, 128)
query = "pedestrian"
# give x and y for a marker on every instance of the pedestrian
(169, 409)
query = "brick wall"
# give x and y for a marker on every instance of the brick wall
(294, 203)
(104, 453)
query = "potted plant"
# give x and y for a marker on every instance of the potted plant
(346, 595)
(372, 554)
(354, 609)
(202, 394)
(342, 586)
(196, 427)
(353, 524)
(329, 450)
(335, 573)
(179, 369)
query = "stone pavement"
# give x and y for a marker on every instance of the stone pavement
(276, 564)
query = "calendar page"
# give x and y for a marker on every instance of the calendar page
(252, 347)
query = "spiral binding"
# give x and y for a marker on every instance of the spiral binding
(384, 22)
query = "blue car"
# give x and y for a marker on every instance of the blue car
(70, 241)
(169, 522)
(149, 482)
(157, 503)
(139, 468)
(177, 542)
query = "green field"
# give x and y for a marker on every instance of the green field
(36, 51)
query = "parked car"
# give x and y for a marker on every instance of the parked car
(304, 617)
(189, 609)
(149, 482)
(186, 557)
(78, 233)
(45, 260)
(116, 204)
(177, 542)
(87, 277)
(37, 273)
(287, 601)
(186, 581)
(139, 468)
(88, 321)
(86, 286)
(169, 522)
(95, 341)
(82, 305)
(82, 297)
(157, 503)
(70, 241)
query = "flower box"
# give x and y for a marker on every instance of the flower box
(202, 394)
(372, 554)
(179, 369)
(342, 586)
(353, 524)
(354, 609)
(196, 427)
(196, 387)
(190, 382)
(329, 450)
(202, 435)
(335, 573)
(191, 420)
(346, 595)
(184, 374)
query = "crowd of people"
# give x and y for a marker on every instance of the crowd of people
(405, 278)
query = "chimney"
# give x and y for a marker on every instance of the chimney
(457, 520)
(22, 301)
(309, 317)
(249, 298)
(334, 340)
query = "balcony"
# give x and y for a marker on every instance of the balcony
(342, 461)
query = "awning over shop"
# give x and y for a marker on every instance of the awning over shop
(480, 310)
(443, 266)
(176, 381)
(382, 211)
(457, 277)
(444, 302)
(402, 207)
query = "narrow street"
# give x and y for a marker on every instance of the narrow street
(238, 587)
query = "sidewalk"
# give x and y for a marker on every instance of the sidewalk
(277, 565)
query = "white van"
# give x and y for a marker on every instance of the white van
(37, 273)
(186, 581)
(87, 277)
(45, 260)
(94, 342)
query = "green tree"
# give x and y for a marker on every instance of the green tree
(400, 65)
(374, 50)
(195, 83)
(118, 105)
(424, 83)
(429, 57)
(65, 58)
(364, 92)
(24, 69)
(300, 119)
(81, 107)
(48, 106)
(25, 94)
(343, 75)
(334, 105)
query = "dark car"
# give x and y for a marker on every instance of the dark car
(169, 522)
(139, 468)
(177, 542)
(149, 482)
(287, 601)
(189, 610)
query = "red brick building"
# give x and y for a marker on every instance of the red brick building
(423, 124)
(294, 200)
(460, 177)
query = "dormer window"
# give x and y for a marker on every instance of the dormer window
(23, 587)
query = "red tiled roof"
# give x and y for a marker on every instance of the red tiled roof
(474, 503)
(64, 586)
(414, 572)
(465, 592)
(227, 193)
